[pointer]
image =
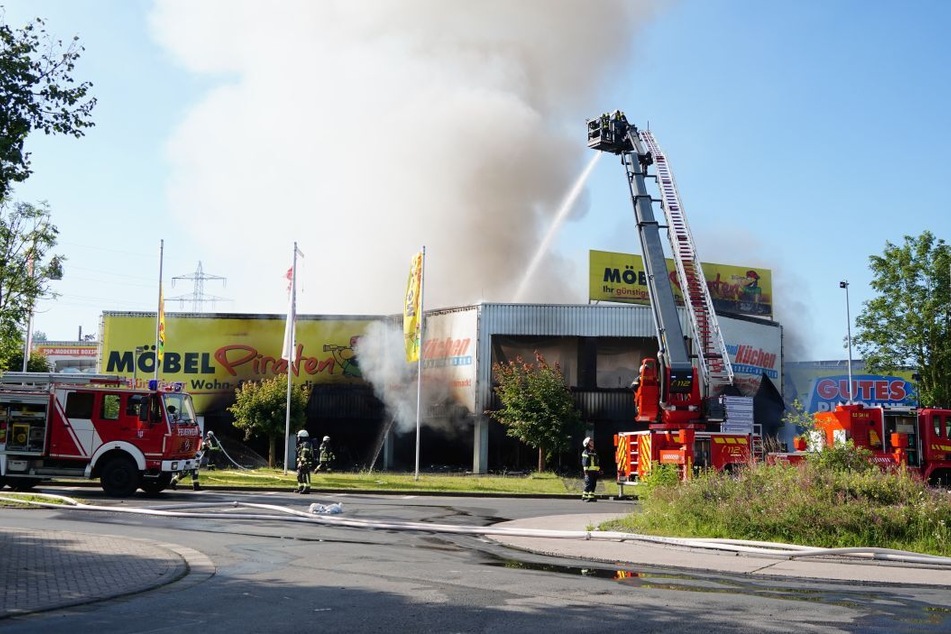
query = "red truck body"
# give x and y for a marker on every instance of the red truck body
(94, 426)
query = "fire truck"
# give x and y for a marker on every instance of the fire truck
(916, 439)
(694, 416)
(94, 426)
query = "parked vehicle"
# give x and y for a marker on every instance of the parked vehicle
(94, 426)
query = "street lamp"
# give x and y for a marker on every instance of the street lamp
(845, 284)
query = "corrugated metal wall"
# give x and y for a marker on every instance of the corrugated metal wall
(567, 320)
(559, 320)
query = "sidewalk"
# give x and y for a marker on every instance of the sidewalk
(632, 554)
(48, 569)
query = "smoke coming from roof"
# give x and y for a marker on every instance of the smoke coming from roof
(364, 129)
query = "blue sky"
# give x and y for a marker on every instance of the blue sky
(803, 136)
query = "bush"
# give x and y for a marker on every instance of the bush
(843, 458)
(830, 501)
(661, 476)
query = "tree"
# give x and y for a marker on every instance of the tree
(908, 325)
(261, 408)
(11, 353)
(537, 406)
(26, 266)
(37, 92)
(802, 422)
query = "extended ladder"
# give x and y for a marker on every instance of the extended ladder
(714, 359)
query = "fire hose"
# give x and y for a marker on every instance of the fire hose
(320, 514)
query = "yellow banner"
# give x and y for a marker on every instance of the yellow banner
(161, 324)
(412, 323)
(213, 354)
(621, 277)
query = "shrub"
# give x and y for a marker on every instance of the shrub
(833, 500)
(843, 457)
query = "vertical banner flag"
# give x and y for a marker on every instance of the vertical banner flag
(289, 349)
(160, 315)
(289, 352)
(160, 351)
(411, 310)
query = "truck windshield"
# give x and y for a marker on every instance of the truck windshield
(180, 408)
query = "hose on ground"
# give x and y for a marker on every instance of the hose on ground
(270, 512)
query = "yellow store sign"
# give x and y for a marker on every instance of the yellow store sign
(212, 354)
(621, 277)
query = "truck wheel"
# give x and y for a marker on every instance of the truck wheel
(156, 485)
(23, 484)
(120, 477)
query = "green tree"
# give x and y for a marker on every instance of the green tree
(802, 422)
(536, 405)
(11, 352)
(37, 92)
(260, 408)
(26, 268)
(908, 324)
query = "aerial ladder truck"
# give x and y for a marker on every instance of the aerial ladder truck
(684, 394)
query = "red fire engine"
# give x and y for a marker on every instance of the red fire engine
(680, 395)
(94, 426)
(918, 439)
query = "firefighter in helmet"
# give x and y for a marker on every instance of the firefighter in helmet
(305, 461)
(591, 470)
(325, 455)
(209, 444)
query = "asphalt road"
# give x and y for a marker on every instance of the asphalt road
(275, 576)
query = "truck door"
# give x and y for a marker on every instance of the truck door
(701, 453)
(149, 435)
(72, 434)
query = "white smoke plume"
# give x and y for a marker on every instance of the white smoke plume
(364, 129)
(383, 364)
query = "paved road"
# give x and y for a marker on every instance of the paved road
(268, 574)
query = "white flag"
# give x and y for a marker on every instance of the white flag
(289, 349)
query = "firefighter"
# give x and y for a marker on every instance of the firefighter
(325, 455)
(305, 461)
(209, 444)
(591, 469)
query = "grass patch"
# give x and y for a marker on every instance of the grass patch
(829, 501)
(19, 500)
(532, 484)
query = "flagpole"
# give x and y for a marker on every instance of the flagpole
(419, 357)
(290, 353)
(158, 313)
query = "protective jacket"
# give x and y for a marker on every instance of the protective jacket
(589, 461)
(305, 455)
